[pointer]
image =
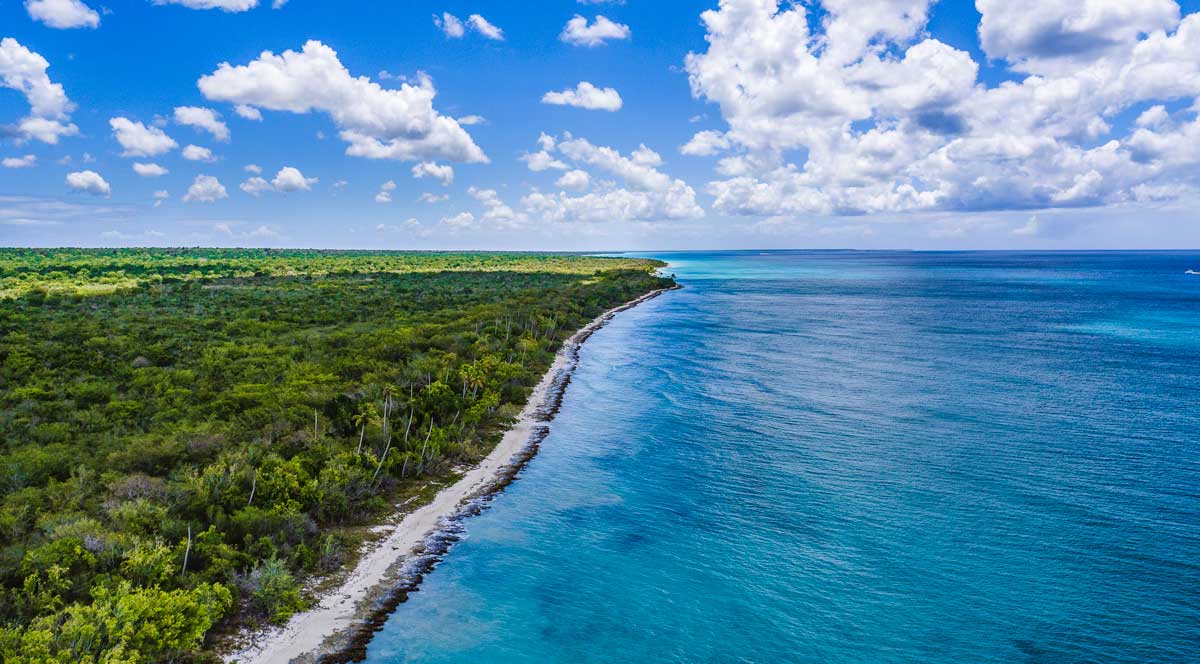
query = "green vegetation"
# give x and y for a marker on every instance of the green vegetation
(188, 435)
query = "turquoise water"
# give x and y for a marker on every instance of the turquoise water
(854, 457)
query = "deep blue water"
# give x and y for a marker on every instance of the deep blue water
(854, 457)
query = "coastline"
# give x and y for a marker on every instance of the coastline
(341, 625)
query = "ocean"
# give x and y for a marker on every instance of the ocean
(854, 457)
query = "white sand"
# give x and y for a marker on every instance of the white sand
(344, 609)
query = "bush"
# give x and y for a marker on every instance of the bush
(275, 592)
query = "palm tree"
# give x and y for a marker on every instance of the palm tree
(367, 414)
(389, 401)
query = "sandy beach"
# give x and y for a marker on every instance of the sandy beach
(344, 617)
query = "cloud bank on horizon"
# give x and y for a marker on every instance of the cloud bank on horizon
(831, 123)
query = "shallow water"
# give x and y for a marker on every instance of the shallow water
(854, 457)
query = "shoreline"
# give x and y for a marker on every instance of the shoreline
(339, 627)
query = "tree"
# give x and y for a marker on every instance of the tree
(367, 414)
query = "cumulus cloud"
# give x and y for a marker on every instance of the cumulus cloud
(443, 173)
(884, 119)
(706, 143)
(481, 25)
(138, 140)
(252, 168)
(1031, 227)
(1047, 36)
(286, 180)
(455, 28)
(289, 178)
(248, 112)
(450, 25)
(255, 186)
(232, 6)
(149, 170)
(495, 211)
(585, 95)
(578, 32)
(543, 161)
(49, 108)
(203, 118)
(462, 220)
(385, 192)
(576, 179)
(205, 189)
(62, 14)
(89, 182)
(377, 123)
(647, 195)
(26, 161)
(197, 153)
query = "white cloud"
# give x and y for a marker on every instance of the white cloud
(481, 25)
(62, 14)
(706, 143)
(1155, 116)
(255, 186)
(203, 118)
(886, 120)
(1042, 37)
(644, 156)
(205, 189)
(632, 170)
(429, 198)
(1031, 227)
(286, 180)
(290, 179)
(460, 221)
(542, 161)
(149, 170)
(248, 112)
(377, 123)
(232, 6)
(160, 197)
(450, 25)
(496, 212)
(577, 180)
(140, 140)
(578, 32)
(585, 95)
(27, 161)
(197, 153)
(648, 194)
(454, 28)
(89, 182)
(385, 192)
(443, 173)
(252, 168)
(411, 224)
(49, 108)
(469, 120)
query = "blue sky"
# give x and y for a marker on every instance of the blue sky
(890, 123)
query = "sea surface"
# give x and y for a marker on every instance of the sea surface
(854, 457)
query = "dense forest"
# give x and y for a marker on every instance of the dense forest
(187, 436)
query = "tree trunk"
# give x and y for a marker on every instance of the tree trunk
(382, 458)
(187, 551)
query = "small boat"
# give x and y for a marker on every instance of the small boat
(1192, 272)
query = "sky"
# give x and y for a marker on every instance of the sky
(598, 125)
